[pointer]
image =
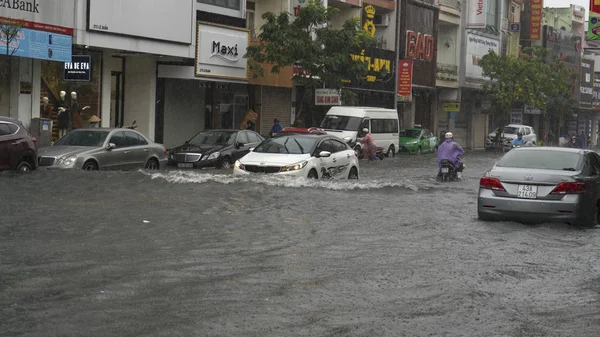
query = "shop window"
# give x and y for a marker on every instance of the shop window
(492, 13)
(88, 92)
(229, 4)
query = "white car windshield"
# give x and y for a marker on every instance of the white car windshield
(510, 130)
(83, 138)
(346, 123)
(287, 145)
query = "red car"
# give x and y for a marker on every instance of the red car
(17, 147)
(316, 131)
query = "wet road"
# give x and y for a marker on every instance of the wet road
(204, 254)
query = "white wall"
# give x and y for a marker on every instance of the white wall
(140, 93)
(109, 64)
(387, 33)
(448, 55)
(184, 111)
(264, 6)
(128, 43)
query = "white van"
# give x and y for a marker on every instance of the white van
(347, 122)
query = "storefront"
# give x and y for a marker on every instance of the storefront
(418, 43)
(42, 38)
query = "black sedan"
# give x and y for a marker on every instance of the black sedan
(214, 148)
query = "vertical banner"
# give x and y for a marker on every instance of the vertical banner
(594, 21)
(535, 25)
(405, 75)
(515, 40)
(586, 84)
(476, 13)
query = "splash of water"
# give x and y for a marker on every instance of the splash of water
(187, 177)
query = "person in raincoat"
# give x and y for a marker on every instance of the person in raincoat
(450, 150)
(369, 146)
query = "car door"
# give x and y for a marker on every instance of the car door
(242, 145)
(139, 151)
(324, 164)
(253, 138)
(118, 157)
(341, 159)
(6, 141)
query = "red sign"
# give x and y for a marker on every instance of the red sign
(535, 24)
(419, 46)
(405, 74)
(595, 6)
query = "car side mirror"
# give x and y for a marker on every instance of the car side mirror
(251, 149)
(324, 154)
(187, 142)
(238, 145)
(111, 146)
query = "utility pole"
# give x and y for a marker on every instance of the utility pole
(397, 60)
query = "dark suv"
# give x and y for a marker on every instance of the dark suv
(17, 147)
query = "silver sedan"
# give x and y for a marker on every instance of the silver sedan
(104, 149)
(542, 184)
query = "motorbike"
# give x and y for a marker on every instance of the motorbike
(526, 144)
(448, 171)
(359, 153)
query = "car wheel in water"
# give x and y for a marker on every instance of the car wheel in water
(313, 174)
(90, 166)
(152, 164)
(353, 173)
(23, 167)
(419, 150)
(226, 163)
(391, 152)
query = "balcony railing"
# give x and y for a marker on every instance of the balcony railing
(454, 4)
(447, 72)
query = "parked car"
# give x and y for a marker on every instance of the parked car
(542, 184)
(302, 155)
(17, 147)
(214, 148)
(103, 149)
(509, 133)
(312, 130)
(347, 123)
(417, 140)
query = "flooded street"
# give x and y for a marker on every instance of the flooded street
(201, 253)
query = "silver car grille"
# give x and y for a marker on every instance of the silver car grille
(46, 161)
(187, 157)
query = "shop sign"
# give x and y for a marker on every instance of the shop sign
(586, 84)
(220, 52)
(448, 107)
(79, 69)
(419, 46)
(516, 116)
(328, 97)
(532, 111)
(381, 73)
(419, 42)
(39, 45)
(476, 13)
(53, 16)
(158, 20)
(594, 21)
(405, 76)
(478, 47)
(514, 40)
(535, 19)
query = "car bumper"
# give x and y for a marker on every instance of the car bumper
(196, 165)
(407, 148)
(300, 173)
(525, 210)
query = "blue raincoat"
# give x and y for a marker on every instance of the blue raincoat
(450, 150)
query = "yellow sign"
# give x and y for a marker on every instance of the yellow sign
(451, 107)
(369, 26)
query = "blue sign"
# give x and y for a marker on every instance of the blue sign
(452, 115)
(40, 45)
(515, 27)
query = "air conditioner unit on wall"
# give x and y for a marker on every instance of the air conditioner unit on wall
(381, 20)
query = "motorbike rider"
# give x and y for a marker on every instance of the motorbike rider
(519, 140)
(450, 150)
(369, 146)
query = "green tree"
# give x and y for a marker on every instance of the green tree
(536, 79)
(309, 42)
(8, 34)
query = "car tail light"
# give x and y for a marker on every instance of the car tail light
(569, 188)
(165, 151)
(491, 184)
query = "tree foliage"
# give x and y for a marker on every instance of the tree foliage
(309, 42)
(8, 34)
(536, 79)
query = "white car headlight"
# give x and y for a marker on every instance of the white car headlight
(238, 165)
(69, 161)
(214, 155)
(294, 167)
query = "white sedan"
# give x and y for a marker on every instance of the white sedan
(302, 155)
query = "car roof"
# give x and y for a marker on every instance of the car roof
(8, 119)
(552, 149)
(413, 128)
(305, 135)
(519, 125)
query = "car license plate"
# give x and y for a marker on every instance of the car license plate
(527, 191)
(444, 170)
(185, 165)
